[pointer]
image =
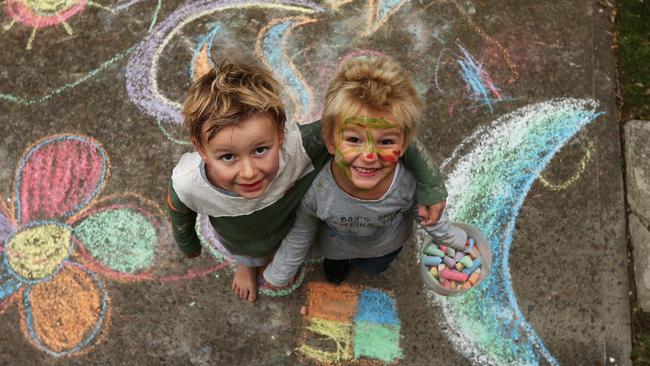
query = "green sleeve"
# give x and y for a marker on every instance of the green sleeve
(183, 221)
(312, 141)
(431, 183)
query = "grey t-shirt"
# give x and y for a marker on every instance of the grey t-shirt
(349, 227)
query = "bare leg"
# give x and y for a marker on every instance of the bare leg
(245, 282)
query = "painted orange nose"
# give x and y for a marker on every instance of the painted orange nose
(370, 156)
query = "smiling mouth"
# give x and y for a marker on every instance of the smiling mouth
(365, 172)
(252, 186)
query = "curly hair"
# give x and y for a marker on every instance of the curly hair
(228, 94)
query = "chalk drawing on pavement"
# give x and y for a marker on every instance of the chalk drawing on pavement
(490, 174)
(564, 116)
(142, 69)
(379, 11)
(360, 322)
(42, 13)
(57, 177)
(588, 151)
(78, 5)
(60, 239)
(76, 251)
(270, 49)
(479, 89)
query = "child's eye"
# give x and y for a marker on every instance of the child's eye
(353, 140)
(261, 150)
(386, 142)
(227, 157)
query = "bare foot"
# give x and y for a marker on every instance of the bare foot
(245, 282)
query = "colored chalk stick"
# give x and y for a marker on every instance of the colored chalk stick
(434, 271)
(458, 256)
(469, 247)
(434, 278)
(433, 250)
(453, 275)
(431, 261)
(475, 266)
(451, 252)
(474, 253)
(466, 261)
(459, 267)
(473, 278)
(441, 267)
(449, 261)
(443, 248)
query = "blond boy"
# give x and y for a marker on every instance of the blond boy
(361, 206)
(251, 169)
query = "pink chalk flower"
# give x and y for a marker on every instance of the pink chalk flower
(57, 236)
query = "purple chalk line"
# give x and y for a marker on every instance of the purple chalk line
(139, 84)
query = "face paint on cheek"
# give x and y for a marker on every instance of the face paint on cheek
(342, 163)
(390, 156)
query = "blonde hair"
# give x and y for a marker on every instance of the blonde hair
(226, 95)
(376, 84)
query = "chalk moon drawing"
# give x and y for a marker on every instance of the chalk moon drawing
(487, 187)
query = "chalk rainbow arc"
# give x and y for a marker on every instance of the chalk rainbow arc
(487, 187)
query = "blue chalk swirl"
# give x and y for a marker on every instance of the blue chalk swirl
(272, 48)
(386, 6)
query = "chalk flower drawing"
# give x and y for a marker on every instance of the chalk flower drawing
(63, 303)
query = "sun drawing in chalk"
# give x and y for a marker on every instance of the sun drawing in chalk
(45, 13)
(55, 231)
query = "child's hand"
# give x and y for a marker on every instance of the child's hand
(431, 214)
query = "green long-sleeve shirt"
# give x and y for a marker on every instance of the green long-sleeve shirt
(260, 232)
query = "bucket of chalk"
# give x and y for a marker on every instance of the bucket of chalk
(452, 272)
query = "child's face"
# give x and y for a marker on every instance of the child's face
(244, 158)
(366, 149)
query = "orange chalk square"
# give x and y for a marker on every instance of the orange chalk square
(338, 303)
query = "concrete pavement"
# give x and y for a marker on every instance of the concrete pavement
(89, 114)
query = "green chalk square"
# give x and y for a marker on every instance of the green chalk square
(377, 341)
